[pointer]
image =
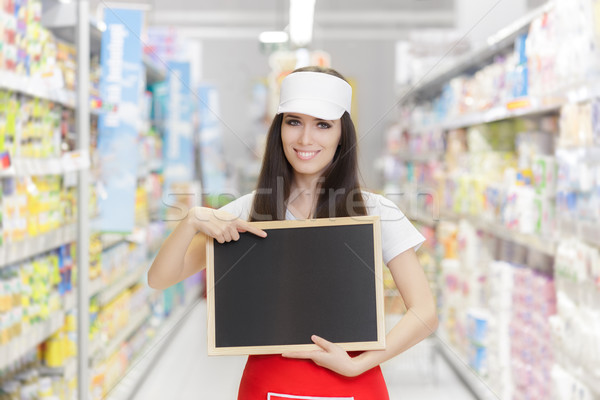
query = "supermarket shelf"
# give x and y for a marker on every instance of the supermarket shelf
(111, 239)
(422, 218)
(36, 87)
(109, 292)
(140, 367)
(576, 370)
(470, 378)
(593, 383)
(61, 19)
(543, 245)
(476, 58)
(138, 235)
(102, 352)
(68, 371)
(30, 247)
(38, 333)
(69, 162)
(420, 157)
(587, 232)
(523, 107)
(528, 107)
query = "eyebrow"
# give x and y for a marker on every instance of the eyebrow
(314, 118)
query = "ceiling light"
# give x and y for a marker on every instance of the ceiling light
(301, 21)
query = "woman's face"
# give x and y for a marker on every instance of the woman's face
(309, 143)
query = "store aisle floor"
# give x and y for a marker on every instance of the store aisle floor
(185, 372)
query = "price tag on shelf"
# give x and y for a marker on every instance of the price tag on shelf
(494, 113)
(518, 104)
(577, 95)
(76, 160)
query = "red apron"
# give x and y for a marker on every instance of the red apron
(272, 377)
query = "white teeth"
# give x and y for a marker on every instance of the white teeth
(306, 154)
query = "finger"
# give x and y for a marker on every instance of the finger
(306, 355)
(322, 343)
(234, 234)
(227, 236)
(252, 229)
(220, 238)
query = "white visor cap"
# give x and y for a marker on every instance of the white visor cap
(316, 94)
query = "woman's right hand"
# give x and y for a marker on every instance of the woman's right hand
(220, 225)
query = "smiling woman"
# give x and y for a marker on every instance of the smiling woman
(309, 144)
(313, 116)
(310, 171)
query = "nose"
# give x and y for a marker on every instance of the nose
(305, 136)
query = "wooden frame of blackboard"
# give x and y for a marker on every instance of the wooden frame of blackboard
(378, 344)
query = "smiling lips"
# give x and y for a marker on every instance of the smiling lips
(306, 155)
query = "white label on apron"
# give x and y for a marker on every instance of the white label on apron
(279, 396)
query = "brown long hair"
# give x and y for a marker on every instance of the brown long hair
(339, 194)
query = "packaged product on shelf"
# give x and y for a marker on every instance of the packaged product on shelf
(39, 374)
(500, 278)
(532, 351)
(9, 107)
(11, 310)
(66, 266)
(119, 259)
(67, 63)
(497, 311)
(578, 191)
(477, 326)
(156, 234)
(575, 326)
(95, 72)
(95, 256)
(544, 171)
(94, 322)
(9, 48)
(566, 386)
(562, 47)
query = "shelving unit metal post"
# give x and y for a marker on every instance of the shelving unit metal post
(83, 188)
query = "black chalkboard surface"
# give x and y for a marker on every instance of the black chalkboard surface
(323, 277)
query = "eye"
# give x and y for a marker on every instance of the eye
(293, 122)
(324, 125)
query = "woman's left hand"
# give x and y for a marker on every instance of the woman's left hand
(330, 356)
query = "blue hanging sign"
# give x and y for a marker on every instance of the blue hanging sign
(211, 143)
(120, 89)
(179, 142)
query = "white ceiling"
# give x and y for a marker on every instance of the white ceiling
(334, 19)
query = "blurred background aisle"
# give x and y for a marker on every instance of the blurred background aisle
(480, 120)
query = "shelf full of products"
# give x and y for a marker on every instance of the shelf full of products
(40, 161)
(514, 200)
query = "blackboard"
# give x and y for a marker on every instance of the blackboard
(322, 276)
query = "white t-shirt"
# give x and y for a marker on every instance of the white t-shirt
(397, 233)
